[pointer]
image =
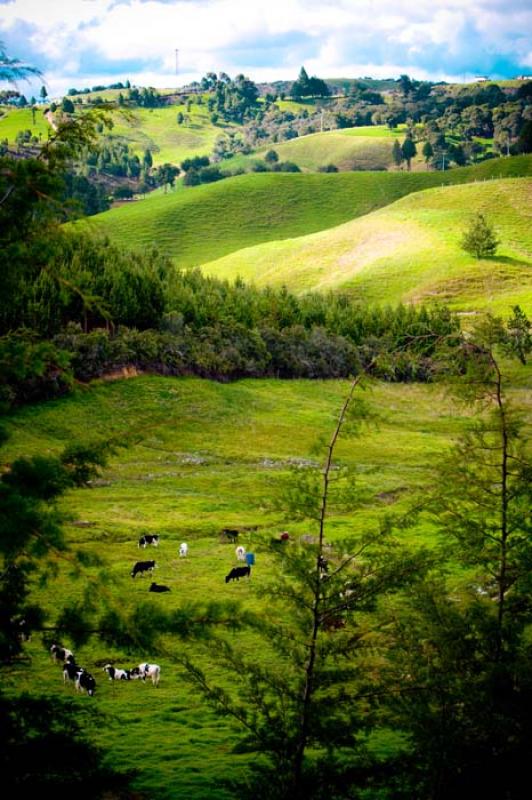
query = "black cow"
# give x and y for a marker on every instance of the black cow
(230, 534)
(149, 538)
(142, 566)
(85, 681)
(237, 573)
(158, 587)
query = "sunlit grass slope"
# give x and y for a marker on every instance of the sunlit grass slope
(207, 222)
(14, 120)
(157, 129)
(364, 148)
(204, 456)
(409, 251)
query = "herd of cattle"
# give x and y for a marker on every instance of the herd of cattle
(82, 679)
(140, 567)
(85, 682)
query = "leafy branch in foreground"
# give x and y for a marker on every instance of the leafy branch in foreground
(308, 667)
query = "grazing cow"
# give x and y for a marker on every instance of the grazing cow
(85, 682)
(149, 538)
(237, 573)
(183, 550)
(240, 553)
(116, 674)
(142, 566)
(230, 535)
(158, 587)
(71, 672)
(144, 671)
(61, 654)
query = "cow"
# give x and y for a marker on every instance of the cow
(144, 671)
(158, 587)
(85, 682)
(240, 553)
(237, 573)
(183, 550)
(71, 671)
(229, 535)
(149, 538)
(142, 566)
(61, 654)
(116, 674)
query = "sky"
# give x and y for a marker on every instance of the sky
(82, 43)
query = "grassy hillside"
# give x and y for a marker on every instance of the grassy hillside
(206, 456)
(13, 120)
(363, 148)
(207, 222)
(409, 251)
(157, 130)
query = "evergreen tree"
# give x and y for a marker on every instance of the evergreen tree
(464, 642)
(479, 239)
(397, 154)
(408, 150)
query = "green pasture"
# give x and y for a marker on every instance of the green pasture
(157, 129)
(13, 120)
(409, 251)
(364, 148)
(205, 223)
(201, 456)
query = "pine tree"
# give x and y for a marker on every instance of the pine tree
(479, 239)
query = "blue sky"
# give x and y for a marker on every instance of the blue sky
(86, 42)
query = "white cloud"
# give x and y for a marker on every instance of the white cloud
(330, 37)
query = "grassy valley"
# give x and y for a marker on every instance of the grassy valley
(202, 456)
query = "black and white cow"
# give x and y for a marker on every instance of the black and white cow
(158, 587)
(142, 566)
(116, 674)
(237, 573)
(71, 672)
(61, 654)
(144, 671)
(149, 538)
(85, 682)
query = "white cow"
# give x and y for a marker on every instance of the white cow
(144, 671)
(183, 550)
(240, 553)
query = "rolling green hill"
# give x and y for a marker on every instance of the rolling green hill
(14, 120)
(409, 251)
(207, 222)
(157, 130)
(363, 148)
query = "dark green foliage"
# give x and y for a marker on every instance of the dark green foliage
(43, 746)
(479, 239)
(408, 150)
(309, 87)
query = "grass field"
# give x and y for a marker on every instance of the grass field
(157, 130)
(204, 223)
(204, 456)
(409, 251)
(363, 148)
(14, 120)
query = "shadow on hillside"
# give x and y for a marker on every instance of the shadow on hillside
(512, 262)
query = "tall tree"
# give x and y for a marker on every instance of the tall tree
(408, 149)
(303, 704)
(465, 646)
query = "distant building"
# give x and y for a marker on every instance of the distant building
(523, 78)
(481, 78)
